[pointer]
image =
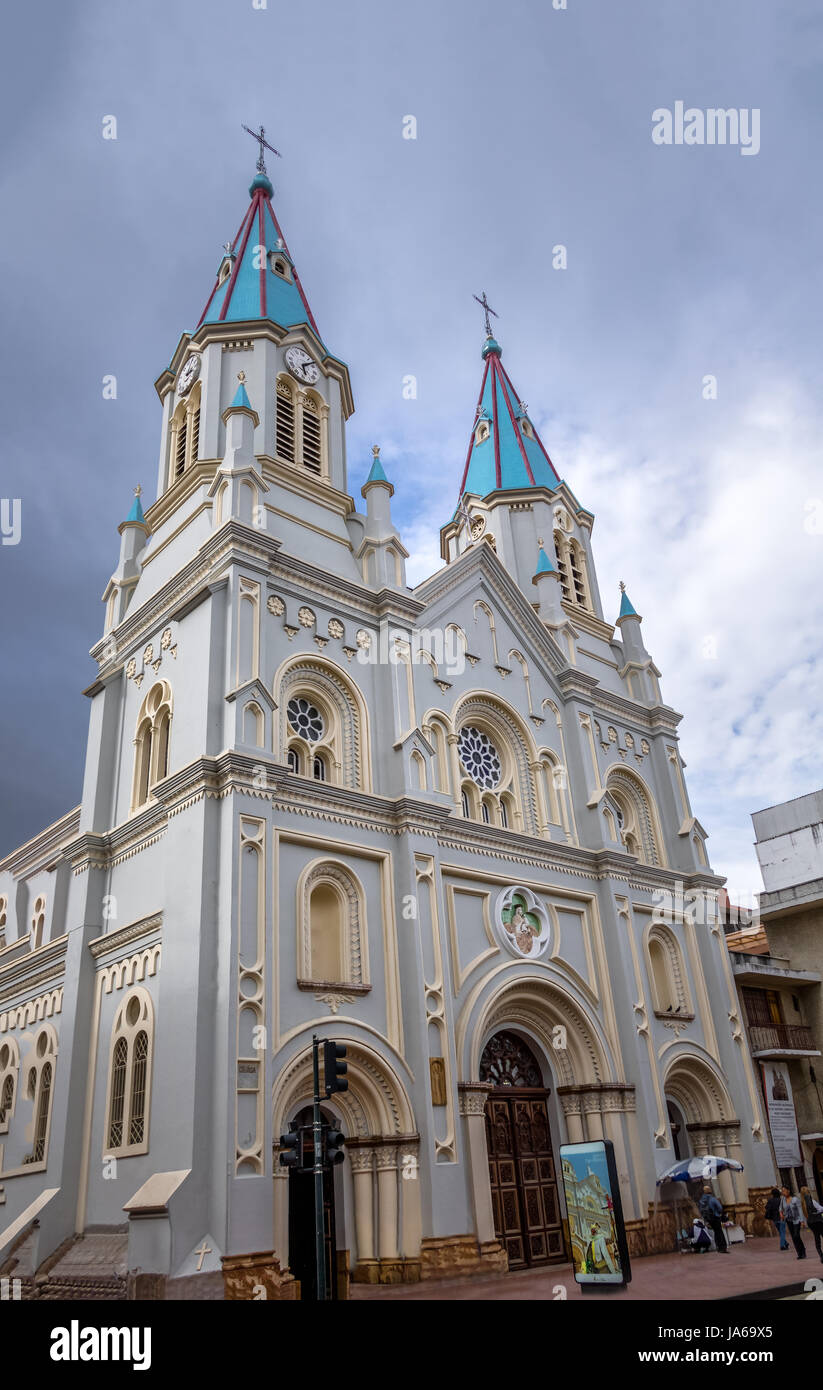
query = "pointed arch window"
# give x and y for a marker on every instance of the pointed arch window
(127, 1108)
(560, 556)
(185, 434)
(321, 716)
(635, 818)
(38, 923)
(667, 975)
(9, 1070)
(332, 934)
(40, 1091)
(301, 427)
(151, 758)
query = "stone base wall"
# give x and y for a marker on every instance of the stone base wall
(450, 1257)
(244, 1276)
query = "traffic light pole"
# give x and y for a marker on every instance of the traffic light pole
(319, 1231)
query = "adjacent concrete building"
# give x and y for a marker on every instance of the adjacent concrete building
(778, 970)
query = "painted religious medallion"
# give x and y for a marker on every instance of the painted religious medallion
(522, 922)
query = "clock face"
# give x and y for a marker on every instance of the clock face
(189, 373)
(301, 365)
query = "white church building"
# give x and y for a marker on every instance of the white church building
(435, 824)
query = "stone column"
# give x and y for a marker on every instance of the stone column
(724, 1179)
(735, 1151)
(391, 1266)
(366, 1270)
(472, 1096)
(594, 1119)
(456, 773)
(411, 1224)
(281, 1213)
(572, 1111)
(613, 1125)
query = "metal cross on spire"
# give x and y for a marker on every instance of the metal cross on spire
(261, 167)
(487, 309)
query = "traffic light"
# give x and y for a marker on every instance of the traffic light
(333, 1145)
(291, 1149)
(334, 1070)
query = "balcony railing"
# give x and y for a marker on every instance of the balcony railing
(782, 1037)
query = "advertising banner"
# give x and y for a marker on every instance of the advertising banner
(782, 1119)
(598, 1238)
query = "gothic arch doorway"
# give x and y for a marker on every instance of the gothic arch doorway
(522, 1174)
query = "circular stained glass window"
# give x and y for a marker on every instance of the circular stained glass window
(305, 719)
(480, 758)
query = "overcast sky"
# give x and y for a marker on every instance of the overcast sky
(534, 128)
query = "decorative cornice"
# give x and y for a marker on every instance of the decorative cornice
(124, 936)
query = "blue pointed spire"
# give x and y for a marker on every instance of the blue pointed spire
(505, 449)
(241, 399)
(627, 609)
(544, 564)
(136, 513)
(377, 472)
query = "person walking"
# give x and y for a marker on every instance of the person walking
(813, 1213)
(792, 1213)
(773, 1215)
(712, 1213)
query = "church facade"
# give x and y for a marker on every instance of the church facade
(446, 826)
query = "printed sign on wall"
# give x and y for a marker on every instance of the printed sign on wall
(782, 1119)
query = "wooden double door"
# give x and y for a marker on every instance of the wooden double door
(527, 1218)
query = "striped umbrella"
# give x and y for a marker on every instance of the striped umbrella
(705, 1167)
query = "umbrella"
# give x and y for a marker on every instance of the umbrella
(706, 1166)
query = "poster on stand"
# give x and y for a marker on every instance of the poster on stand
(782, 1118)
(600, 1252)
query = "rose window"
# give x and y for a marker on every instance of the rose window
(480, 758)
(305, 719)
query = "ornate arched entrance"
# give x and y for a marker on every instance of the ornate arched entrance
(377, 1214)
(522, 1173)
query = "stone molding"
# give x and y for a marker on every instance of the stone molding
(472, 1096)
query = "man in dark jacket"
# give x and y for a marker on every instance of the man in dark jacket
(772, 1214)
(712, 1213)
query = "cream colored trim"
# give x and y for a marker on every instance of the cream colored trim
(461, 973)
(391, 964)
(642, 1020)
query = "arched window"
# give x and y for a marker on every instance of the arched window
(321, 715)
(127, 1107)
(577, 561)
(418, 768)
(312, 454)
(464, 798)
(300, 426)
(667, 976)
(561, 557)
(495, 767)
(319, 768)
(285, 420)
(293, 760)
(38, 922)
(4, 902)
(332, 938)
(635, 817)
(9, 1068)
(185, 434)
(151, 758)
(40, 1091)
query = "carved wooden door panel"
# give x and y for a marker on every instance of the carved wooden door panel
(527, 1219)
(506, 1205)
